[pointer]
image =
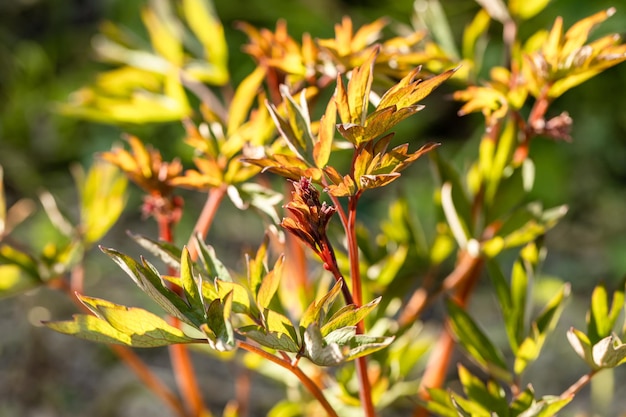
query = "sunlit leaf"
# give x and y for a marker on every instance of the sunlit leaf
(317, 310)
(190, 283)
(200, 16)
(121, 325)
(269, 284)
(103, 198)
(525, 9)
(348, 316)
(601, 318)
(150, 282)
(244, 97)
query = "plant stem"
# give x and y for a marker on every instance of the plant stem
(205, 220)
(149, 379)
(180, 357)
(365, 389)
(578, 385)
(306, 381)
(463, 278)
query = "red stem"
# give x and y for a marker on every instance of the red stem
(306, 381)
(365, 389)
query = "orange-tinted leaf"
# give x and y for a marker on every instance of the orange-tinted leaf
(322, 148)
(359, 88)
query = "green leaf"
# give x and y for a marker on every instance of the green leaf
(601, 321)
(15, 281)
(317, 310)
(164, 33)
(191, 284)
(525, 9)
(540, 328)
(241, 297)
(484, 399)
(476, 343)
(103, 198)
(202, 20)
(473, 34)
(218, 329)
(90, 328)
(609, 352)
(167, 252)
(257, 267)
(277, 332)
(359, 87)
(340, 345)
(243, 99)
(121, 325)
(448, 174)
(581, 345)
(348, 316)
(273, 340)
(12, 256)
(548, 406)
(144, 328)
(149, 281)
(213, 266)
(270, 284)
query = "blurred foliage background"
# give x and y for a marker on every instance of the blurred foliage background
(45, 54)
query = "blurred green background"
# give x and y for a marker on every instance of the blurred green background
(45, 54)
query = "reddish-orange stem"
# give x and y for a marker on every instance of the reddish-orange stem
(463, 278)
(205, 220)
(306, 381)
(365, 389)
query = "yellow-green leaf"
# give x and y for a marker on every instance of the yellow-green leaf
(103, 198)
(269, 284)
(244, 98)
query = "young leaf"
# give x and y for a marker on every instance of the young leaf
(213, 266)
(480, 396)
(609, 352)
(317, 309)
(270, 284)
(241, 297)
(530, 347)
(273, 340)
(218, 329)
(277, 323)
(601, 320)
(191, 284)
(323, 145)
(348, 316)
(257, 267)
(169, 253)
(150, 282)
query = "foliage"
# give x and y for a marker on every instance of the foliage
(321, 114)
